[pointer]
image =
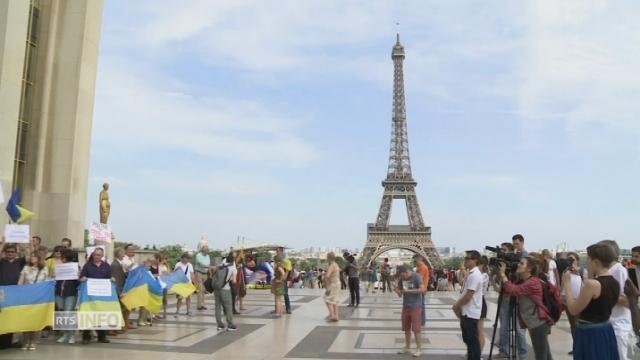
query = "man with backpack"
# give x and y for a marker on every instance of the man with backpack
(223, 277)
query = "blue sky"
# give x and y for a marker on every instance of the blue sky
(271, 121)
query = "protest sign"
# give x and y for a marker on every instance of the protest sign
(14, 233)
(67, 271)
(99, 287)
(100, 232)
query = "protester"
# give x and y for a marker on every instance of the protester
(331, 283)
(66, 295)
(595, 338)
(119, 275)
(469, 307)
(184, 265)
(95, 268)
(33, 272)
(10, 267)
(552, 275)
(278, 285)
(577, 275)
(53, 260)
(354, 281)
(68, 244)
(423, 270)
(202, 264)
(620, 315)
(533, 314)
(163, 269)
(226, 272)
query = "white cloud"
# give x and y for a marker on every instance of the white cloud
(137, 113)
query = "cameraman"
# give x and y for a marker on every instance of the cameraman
(533, 315)
(505, 316)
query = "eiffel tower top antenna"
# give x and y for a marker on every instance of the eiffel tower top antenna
(399, 169)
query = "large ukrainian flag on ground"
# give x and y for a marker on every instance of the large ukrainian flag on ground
(142, 290)
(26, 307)
(92, 303)
(178, 283)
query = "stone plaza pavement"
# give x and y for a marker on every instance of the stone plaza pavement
(371, 331)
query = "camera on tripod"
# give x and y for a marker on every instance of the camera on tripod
(510, 259)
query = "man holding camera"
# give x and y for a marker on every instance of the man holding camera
(506, 313)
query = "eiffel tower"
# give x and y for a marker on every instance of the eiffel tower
(399, 184)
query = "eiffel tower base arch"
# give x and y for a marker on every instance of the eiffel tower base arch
(392, 237)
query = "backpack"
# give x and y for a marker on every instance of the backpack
(551, 300)
(219, 278)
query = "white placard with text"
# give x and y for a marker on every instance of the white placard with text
(15, 233)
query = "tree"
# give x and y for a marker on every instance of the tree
(173, 254)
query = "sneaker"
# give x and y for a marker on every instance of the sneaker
(403, 351)
(72, 340)
(24, 348)
(289, 312)
(417, 354)
(62, 339)
(232, 328)
(220, 327)
(31, 348)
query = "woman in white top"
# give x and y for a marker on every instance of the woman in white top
(578, 276)
(35, 271)
(186, 267)
(483, 267)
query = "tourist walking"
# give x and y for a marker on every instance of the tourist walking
(95, 268)
(594, 338)
(354, 281)
(331, 283)
(469, 307)
(385, 272)
(224, 277)
(203, 262)
(411, 288)
(34, 271)
(533, 314)
(423, 270)
(278, 285)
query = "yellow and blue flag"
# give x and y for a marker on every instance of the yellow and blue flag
(26, 307)
(142, 289)
(17, 213)
(88, 302)
(178, 283)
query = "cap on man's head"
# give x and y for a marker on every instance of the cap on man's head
(473, 254)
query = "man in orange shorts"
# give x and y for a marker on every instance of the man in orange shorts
(411, 288)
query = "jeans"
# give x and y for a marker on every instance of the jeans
(354, 290)
(66, 304)
(287, 303)
(505, 324)
(540, 342)
(424, 314)
(223, 303)
(469, 329)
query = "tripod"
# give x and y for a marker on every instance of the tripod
(513, 316)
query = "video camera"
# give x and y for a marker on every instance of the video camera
(510, 259)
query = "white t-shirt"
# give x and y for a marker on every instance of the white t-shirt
(620, 315)
(186, 269)
(473, 282)
(233, 271)
(576, 285)
(551, 275)
(485, 282)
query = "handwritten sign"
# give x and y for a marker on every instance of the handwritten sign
(99, 287)
(100, 232)
(14, 233)
(67, 271)
(91, 249)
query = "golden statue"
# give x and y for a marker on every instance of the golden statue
(105, 204)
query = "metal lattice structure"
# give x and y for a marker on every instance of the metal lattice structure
(399, 184)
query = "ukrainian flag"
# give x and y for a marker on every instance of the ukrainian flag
(93, 303)
(26, 307)
(142, 289)
(17, 213)
(178, 283)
